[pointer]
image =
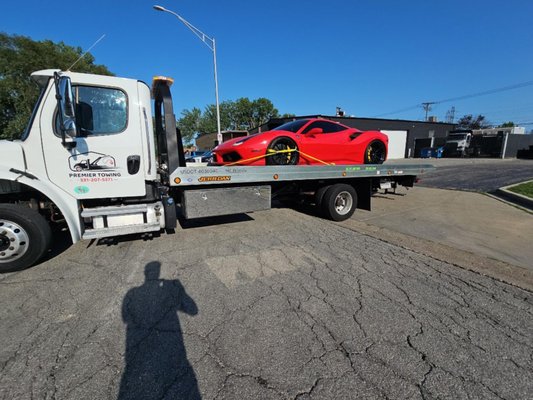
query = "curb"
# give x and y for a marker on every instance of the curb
(515, 198)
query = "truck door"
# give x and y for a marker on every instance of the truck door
(106, 160)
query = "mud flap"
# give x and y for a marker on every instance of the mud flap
(364, 193)
(171, 219)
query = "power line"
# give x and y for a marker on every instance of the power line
(486, 92)
(463, 97)
(399, 111)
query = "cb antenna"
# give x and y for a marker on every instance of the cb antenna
(83, 55)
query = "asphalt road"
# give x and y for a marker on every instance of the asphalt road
(479, 175)
(281, 305)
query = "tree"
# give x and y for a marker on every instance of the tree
(262, 111)
(189, 124)
(471, 122)
(242, 114)
(19, 57)
(509, 124)
(208, 121)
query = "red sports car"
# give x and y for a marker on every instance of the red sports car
(305, 142)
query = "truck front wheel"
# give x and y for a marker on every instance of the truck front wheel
(24, 237)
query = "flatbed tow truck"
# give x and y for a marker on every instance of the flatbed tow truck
(146, 179)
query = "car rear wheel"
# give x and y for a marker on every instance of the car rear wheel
(282, 151)
(375, 152)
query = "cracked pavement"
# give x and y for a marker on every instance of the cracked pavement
(281, 305)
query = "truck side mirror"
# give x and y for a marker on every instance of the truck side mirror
(65, 91)
(65, 104)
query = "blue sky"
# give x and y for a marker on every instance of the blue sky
(369, 57)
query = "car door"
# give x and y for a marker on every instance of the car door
(329, 144)
(105, 159)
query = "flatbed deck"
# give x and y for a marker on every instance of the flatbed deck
(198, 176)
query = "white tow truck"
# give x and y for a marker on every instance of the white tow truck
(92, 160)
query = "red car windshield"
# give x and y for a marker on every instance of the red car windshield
(293, 126)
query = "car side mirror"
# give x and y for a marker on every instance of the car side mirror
(315, 131)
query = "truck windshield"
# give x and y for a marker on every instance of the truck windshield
(461, 136)
(26, 132)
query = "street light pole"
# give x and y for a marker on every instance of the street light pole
(219, 133)
(211, 44)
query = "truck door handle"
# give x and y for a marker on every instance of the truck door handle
(134, 163)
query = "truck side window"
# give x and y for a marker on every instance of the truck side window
(99, 110)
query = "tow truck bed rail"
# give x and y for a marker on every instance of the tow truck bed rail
(196, 176)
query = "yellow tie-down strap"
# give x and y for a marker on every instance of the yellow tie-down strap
(271, 152)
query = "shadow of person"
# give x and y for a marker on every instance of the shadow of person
(156, 360)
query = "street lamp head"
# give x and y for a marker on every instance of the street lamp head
(159, 8)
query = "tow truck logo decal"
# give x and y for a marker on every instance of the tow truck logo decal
(92, 167)
(91, 161)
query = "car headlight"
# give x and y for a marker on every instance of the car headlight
(238, 143)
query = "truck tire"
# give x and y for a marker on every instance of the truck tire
(319, 196)
(24, 237)
(339, 202)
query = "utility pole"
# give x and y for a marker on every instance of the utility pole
(427, 107)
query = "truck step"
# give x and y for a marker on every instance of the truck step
(114, 210)
(120, 230)
(108, 221)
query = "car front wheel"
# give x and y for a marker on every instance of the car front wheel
(282, 151)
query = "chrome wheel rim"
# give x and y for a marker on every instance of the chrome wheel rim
(14, 241)
(343, 203)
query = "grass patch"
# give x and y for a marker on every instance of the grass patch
(525, 189)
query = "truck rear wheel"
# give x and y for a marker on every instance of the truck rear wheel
(24, 237)
(339, 202)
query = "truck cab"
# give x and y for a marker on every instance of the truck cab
(457, 143)
(86, 157)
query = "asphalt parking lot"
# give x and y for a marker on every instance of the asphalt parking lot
(275, 305)
(474, 174)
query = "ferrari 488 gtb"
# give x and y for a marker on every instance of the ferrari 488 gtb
(305, 142)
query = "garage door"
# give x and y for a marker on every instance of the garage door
(397, 143)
